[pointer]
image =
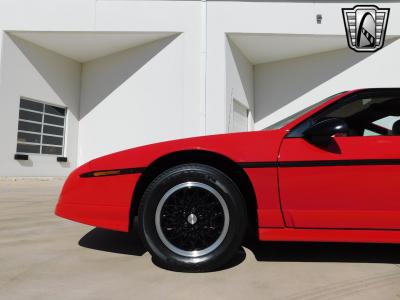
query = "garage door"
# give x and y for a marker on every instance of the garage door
(240, 120)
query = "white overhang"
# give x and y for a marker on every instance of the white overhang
(266, 48)
(86, 46)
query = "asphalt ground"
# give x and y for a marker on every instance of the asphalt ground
(46, 257)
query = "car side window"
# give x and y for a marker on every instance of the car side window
(365, 114)
(386, 123)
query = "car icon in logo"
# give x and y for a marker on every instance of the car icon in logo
(365, 27)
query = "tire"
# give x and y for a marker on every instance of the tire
(192, 218)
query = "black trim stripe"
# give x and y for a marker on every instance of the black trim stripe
(322, 163)
(250, 165)
(112, 172)
(268, 164)
(340, 163)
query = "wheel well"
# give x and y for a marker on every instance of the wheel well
(218, 161)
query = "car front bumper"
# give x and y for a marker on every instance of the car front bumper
(98, 201)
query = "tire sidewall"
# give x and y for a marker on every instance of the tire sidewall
(202, 174)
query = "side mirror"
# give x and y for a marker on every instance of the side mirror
(323, 130)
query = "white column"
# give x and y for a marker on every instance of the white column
(203, 66)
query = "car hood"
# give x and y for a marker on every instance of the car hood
(257, 146)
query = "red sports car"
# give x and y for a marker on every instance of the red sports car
(328, 173)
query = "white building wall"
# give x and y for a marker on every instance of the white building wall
(30, 71)
(145, 94)
(157, 88)
(279, 18)
(48, 15)
(239, 83)
(160, 97)
(132, 98)
(165, 16)
(246, 17)
(285, 87)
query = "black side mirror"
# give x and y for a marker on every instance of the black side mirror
(323, 130)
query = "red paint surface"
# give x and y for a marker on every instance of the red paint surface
(355, 197)
(268, 205)
(239, 147)
(316, 202)
(106, 201)
(103, 202)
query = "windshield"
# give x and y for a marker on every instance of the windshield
(293, 117)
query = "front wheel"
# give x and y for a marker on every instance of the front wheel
(192, 217)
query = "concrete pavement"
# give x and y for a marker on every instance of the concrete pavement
(45, 257)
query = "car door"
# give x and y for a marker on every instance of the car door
(352, 182)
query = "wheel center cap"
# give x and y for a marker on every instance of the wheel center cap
(192, 219)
